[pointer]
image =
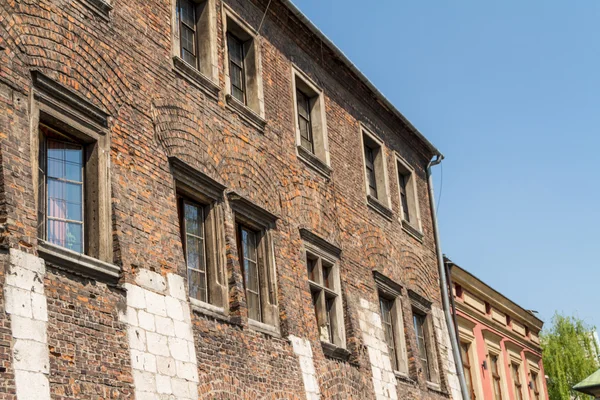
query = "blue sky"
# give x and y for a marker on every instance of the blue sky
(509, 91)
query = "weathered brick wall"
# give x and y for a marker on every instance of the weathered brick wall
(124, 66)
(89, 354)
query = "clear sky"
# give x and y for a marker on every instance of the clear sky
(509, 91)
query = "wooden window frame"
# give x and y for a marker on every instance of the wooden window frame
(193, 28)
(466, 360)
(233, 39)
(262, 223)
(421, 308)
(390, 291)
(204, 72)
(496, 375)
(65, 111)
(377, 192)
(317, 156)
(197, 188)
(252, 109)
(515, 370)
(325, 253)
(43, 217)
(408, 198)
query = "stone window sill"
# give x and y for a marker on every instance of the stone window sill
(79, 264)
(412, 231)
(435, 387)
(379, 207)
(196, 77)
(100, 7)
(404, 378)
(264, 328)
(209, 310)
(246, 113)
(314, 162)
(332, 351)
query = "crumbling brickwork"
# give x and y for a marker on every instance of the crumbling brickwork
(121, 62)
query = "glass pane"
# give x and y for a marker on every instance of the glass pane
(236, 76)
(237, 94)
(311, 265)
(56, 204)
(187, 11)
(73, 153)
(193, 219)
(57, 232)
(303, 105)
(74, 192)
(326, 277)
(236, 49)
(197, 284)
(195, 253)
(75, 211)
(187, 40)
(56, 168)
(74, 171)
(74, 236)
(253, 306)
(251, 275)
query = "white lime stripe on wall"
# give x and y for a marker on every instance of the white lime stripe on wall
(26, 304)
(161, 342)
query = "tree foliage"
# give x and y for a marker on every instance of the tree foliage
(570, 354)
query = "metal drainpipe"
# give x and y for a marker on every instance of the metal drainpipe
(443, 283)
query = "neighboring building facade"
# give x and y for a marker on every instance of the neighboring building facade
(499, 340)
(206, 200)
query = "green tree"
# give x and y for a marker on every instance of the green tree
(570, 354)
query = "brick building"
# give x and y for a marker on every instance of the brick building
(499, 342)
(207, 200)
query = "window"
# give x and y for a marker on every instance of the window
(186, 14)
(257, 262)
(514, 368)
(194, 42)
(535, 386)
(72, 188)
(386, 307)
(243, 69)
(237, 72)
(409, 205)
(195, 249)
(325, 297)
(403, 182)
(370, 154)
(322, 269)
(375, 174)
(62, 176)
(420, 332)
(304, 121)
(425, 349)
(390, 306)
(201, 221)
(311, 126)
(495, 369)
(464, 353)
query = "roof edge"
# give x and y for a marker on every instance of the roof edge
(292, 7)
(524, 313)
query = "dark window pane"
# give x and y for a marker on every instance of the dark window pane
(327, 282)
(248, 242)
(235, 49)
(197, 285)
(64, 191)
(388, 327)
(311, 265)
(187, 12)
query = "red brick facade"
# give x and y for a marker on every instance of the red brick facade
(123, 65)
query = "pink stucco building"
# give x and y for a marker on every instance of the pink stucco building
(500, 345)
